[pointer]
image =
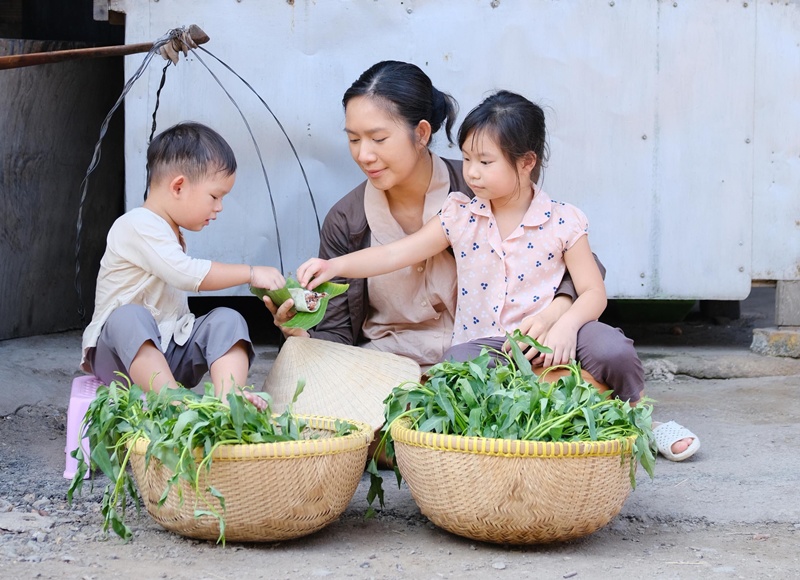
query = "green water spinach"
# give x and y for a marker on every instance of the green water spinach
(180, 426)
(498, 395)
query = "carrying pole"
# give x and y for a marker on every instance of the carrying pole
(37, 58)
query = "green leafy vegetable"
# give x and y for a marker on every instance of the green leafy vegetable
(183, 429)
(304, 320)
(509, 401)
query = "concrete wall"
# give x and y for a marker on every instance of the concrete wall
(49, 123)
(673, 125)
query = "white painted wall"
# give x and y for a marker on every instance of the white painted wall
(673, 125)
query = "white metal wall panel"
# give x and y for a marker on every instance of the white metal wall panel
(701, 234)
(776, 180)
(649, 106)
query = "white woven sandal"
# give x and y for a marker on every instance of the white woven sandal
(670, 432)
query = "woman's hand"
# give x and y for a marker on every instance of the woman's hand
(281, 315)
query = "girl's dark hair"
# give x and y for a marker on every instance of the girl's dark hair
(189, 148)
(408, 94)
(515, 123)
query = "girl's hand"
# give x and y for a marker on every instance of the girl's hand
(314, 272)
(563, 340)
(538, 325)
(283, 314)
(267, 277)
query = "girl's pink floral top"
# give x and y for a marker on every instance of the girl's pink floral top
(500, 282)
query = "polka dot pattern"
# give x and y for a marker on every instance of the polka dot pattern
(502, 281)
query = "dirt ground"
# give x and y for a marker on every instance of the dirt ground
(731, 511)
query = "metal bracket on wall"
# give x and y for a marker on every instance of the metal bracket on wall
(101, 10)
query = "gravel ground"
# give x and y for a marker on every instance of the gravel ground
(732, 511)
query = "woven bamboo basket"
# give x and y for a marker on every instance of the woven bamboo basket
(272, 491)
(514, 492)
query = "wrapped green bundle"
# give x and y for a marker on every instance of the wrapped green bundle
(309, 304)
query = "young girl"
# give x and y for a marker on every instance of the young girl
(511, 242)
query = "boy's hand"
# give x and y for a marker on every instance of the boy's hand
(267, 277)
(314, 272)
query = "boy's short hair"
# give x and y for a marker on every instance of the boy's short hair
(191, 149)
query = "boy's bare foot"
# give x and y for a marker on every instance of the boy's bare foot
(259, 403)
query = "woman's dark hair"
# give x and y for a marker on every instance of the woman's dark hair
(408, 94)
(515, 123)
(189, 148)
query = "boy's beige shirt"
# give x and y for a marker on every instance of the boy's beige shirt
(145, 264)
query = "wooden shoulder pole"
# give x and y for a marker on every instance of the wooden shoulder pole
(36, 58)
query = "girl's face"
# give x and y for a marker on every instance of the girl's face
(385, 150)
(487, 171)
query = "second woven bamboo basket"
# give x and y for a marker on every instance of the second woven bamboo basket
(514, 492)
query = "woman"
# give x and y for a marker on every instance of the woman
(392, 112)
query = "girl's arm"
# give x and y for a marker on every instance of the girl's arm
(589, 285)
(562, 337)
(419, 246)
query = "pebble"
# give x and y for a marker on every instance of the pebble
(499, 565)
(29, 498)
(41, 503)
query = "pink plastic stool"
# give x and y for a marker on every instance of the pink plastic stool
(83, 392)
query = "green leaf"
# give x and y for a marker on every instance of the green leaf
(236, 404)
(375, 483)
(301, 384)
(215, 492)
(185, 418)
(443, 399)
(432, 425)
(590, 423)
(304, 320)
(475, 416)
(77, 480)
(119, 527)
(101, 458)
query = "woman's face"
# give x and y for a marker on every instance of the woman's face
(384, 148)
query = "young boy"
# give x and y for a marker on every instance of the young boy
(142, 325)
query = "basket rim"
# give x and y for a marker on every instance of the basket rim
(358, 439)
(403, 434)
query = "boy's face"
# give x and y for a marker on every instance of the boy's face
(199, 201)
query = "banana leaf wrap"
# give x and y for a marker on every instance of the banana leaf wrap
(304, 320)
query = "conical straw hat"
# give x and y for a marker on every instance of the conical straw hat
(342, 381)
